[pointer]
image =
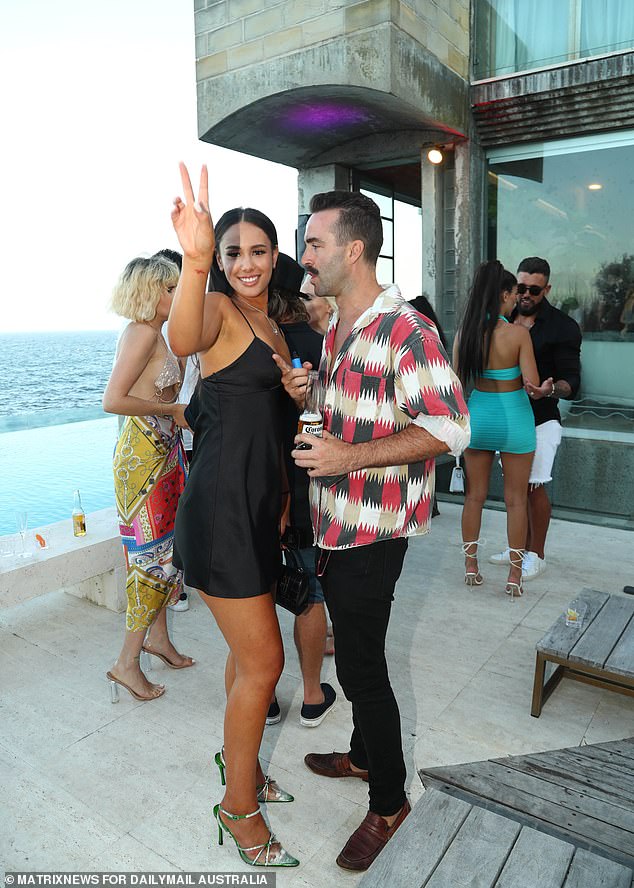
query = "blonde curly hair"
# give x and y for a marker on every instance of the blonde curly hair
(138, 291)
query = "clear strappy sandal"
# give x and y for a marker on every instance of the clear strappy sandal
(269, 791)
(472, 577)
(515, 590)
(264, 857)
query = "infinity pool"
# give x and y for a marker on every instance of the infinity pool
(42, 467)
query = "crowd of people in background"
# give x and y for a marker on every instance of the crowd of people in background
(212, 479)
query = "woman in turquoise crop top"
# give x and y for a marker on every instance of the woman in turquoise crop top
(496, 358)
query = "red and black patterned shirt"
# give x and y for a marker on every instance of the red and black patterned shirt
(392, 370)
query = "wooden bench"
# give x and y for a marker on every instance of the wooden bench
(582, 794)
(447, 842)
(599, 652)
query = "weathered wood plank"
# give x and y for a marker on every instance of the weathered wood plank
(506, 776)
(578, 773)
(620, 749)
(621, 660)
(536, 860)
(589, 871)
(599, 639)
(611, 757)
(564, 810)
(560, 639)
(478, 852)
(412, 855)
(574, 800)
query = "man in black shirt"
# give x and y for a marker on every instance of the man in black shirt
(556, 340)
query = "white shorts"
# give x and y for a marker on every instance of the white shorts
(548, 440)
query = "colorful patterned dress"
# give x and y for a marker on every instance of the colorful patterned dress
(149, 469)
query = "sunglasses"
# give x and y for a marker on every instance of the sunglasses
(534, 290)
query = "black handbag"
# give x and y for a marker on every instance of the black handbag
(293, 585)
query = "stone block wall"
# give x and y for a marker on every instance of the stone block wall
(231, 34)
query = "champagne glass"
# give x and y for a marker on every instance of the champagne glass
(22, 522)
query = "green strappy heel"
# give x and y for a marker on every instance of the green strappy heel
(269, 791)
(264, 857)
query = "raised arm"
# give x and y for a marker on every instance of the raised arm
(194, 322)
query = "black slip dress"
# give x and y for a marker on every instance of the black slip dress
(226, 535)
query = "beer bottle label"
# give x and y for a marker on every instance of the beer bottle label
(79, 525)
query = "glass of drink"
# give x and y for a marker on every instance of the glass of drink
(22, 523)
(311, 420)
(575, 612)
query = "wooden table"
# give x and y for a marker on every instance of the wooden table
(448, 842)
(599, 652)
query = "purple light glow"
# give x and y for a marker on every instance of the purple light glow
(325, 115)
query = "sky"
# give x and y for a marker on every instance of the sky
(99, 105)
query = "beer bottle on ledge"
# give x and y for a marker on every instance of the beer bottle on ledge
(79, 517)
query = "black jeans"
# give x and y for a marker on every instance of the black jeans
(359, 587)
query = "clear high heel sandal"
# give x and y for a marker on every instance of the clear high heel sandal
(264, 857)
(515, 590)
(269, 791)
(472, 577)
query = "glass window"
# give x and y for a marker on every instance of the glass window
(570, 202)
(401, 259)
(408, 253)
(516, 35)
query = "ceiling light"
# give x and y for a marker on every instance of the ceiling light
(434, 155)
(594, 186)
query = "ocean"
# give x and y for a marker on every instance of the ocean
(54, 436)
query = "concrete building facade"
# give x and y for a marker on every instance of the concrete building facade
(532, 107)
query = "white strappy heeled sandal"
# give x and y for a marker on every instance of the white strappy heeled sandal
(515, 590)
(471, 577)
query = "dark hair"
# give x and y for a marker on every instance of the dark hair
(173, 256)
(285, 304)
(480, 317)
(423, 306)
(359, 219)
(217, 279)
(534, 265)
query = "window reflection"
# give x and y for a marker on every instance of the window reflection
(544, 206)
(516, 35)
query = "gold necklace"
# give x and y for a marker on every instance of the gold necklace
(272, 323)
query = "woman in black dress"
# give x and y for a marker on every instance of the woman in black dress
(227, 534)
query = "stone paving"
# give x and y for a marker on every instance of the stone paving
(87, 785)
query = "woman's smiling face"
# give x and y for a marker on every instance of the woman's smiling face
(246, 256)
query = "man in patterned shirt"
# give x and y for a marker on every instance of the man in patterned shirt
(392, 404)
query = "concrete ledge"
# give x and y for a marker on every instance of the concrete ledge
(91, 567)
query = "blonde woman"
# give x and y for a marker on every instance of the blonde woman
(149, 468)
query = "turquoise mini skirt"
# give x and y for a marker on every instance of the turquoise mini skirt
(501, 421)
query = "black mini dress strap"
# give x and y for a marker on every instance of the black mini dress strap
(246, 319)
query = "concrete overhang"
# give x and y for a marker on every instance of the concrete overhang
(328, 124)
(350, 100)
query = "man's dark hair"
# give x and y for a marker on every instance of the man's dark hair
(534, 265)
(172, 255)
(359, 219)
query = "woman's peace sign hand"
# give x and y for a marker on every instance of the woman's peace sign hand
(192, 220)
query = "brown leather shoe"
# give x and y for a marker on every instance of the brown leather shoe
(369, 839)
(332, 764)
